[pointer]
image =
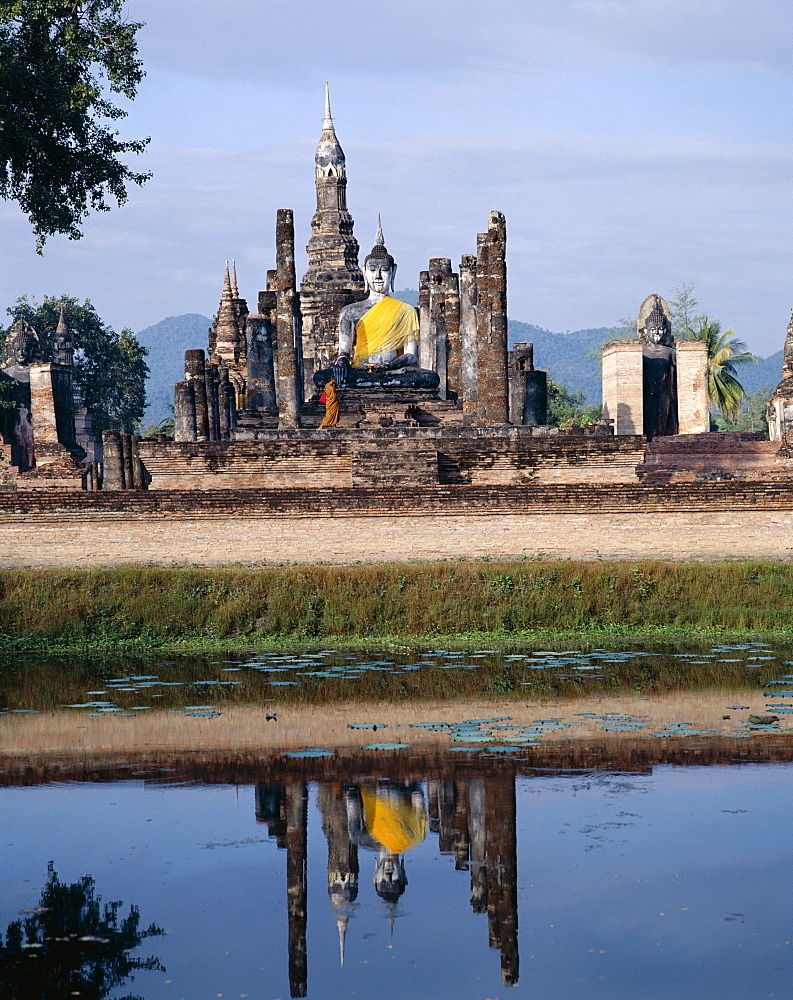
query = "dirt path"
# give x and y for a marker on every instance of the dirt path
(240, 729)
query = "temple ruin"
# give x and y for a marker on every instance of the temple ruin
(424, 397)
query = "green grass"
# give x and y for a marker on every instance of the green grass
(460, 603)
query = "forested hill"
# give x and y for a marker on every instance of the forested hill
(572, 358)
(167, 341)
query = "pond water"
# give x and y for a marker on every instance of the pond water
(668, 883)
(582, 852)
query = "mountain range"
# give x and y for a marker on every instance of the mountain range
(570, 358)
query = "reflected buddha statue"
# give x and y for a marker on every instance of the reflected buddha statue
(389, 819)
(378, 336)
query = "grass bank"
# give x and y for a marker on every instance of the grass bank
(146, 608)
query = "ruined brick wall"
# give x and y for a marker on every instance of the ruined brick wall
(686, 521)
(315, 460)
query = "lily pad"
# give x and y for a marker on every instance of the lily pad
(385, 746)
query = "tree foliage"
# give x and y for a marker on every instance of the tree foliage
(725, 351)
(60, 157)
(109, 367)
(71, 945)
(567, 408)
(751, 416)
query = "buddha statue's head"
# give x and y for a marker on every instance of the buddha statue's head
(390, 878)
(379, 268)
(657, 328)
(22, 346)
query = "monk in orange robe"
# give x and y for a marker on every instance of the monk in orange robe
(331, 401)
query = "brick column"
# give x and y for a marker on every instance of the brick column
(195, 372)
(426, 343)
(623, 386)
(468, 343)
(491, 282)
(440, 269)
(287, 322)
(693, 405)
(113, 462)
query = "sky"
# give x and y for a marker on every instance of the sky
(632, 145)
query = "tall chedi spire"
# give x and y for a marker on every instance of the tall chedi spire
(227, 345)
(333, 278)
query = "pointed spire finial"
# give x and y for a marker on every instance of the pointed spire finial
(328, 122)
(62, 328)
(378, 236)
(341, 923)
(234, 289)
(226, 280)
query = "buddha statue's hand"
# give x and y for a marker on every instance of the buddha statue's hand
(400, 362)
(340, 367)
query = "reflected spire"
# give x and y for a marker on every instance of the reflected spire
(341, 924)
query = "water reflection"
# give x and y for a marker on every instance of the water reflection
(72, 945)
(615, 873)
(474, 819)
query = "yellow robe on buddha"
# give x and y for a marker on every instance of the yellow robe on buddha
(388, 326)
(393, 822)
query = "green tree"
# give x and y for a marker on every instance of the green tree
(683, 309)
(59, 155)
(751, 417)
(109, 367)
(566, 407)
(725, 353)
(71, 945)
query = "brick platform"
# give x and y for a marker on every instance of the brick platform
(630, 521)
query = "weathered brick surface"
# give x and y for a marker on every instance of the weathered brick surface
(316, 460)
(686, 521)
(691, 457)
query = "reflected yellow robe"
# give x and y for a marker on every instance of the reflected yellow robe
(331, 406)
(393, 821)
(388, 326)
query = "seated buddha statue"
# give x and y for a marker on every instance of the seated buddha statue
(378, 336)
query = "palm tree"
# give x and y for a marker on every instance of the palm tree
(725, 351)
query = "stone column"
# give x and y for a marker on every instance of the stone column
(468, 341)
(213, 407)
(477, 838)
(184, 416)
(453, 340)
(195, 371)
(225, 397)
(491, 281)
(521, 361)
(426, 346)
(528, 389)
(296, 884)
(127, 461)
(138, 470)
(51, 411)
(261, 374)
(502, 864)
(287, 322)
(440, 269)
(693, 404)
(535, 405)
(623, 386)
(113, 471)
